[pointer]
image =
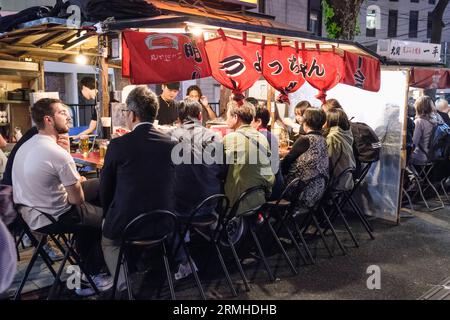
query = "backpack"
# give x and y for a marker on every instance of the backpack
(366, 145)
(99, 10)
(10, 22)
(439, 144)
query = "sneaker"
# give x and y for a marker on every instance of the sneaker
(26, 241)
(52, 254)
(102, 281)
(184, 270)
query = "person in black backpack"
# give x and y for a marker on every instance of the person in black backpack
(366, 144)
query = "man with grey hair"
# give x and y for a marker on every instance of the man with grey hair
(247, 154)
(137, 176)
(443, 110)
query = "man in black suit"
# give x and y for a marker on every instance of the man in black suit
(137, 176)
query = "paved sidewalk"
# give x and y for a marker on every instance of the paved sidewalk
(413, 258)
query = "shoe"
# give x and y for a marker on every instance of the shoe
(52, 254)
(184, 270)
(26, 241)
(102, 281)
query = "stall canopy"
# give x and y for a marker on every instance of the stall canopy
(50, 39)
(240, 49)
(430, 78)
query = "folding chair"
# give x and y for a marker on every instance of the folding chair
(282, 210)
(132, 237)
(347, 198)
(420, 175)
(313, 217)
(213, 221)
(335, 198)
(66, 246)
(228, 228)
(38, 252)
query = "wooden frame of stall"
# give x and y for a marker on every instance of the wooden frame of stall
(24, 50)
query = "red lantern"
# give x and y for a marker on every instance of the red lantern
(235, 63)
(281, 69)
(323, 70)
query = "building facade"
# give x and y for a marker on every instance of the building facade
(400, 19)
(303, 14)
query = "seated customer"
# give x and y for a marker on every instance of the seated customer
(299, 110)
(443, 110)
(45, 180)
(260, 123)
(340, 151)
(8, 258)
(197, 174)
(195, 179)
(424, 125)
(308, 157)
(247, 154)
(7, 175)
(137, 176)
(3, 158)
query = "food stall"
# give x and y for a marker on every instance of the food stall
(294, 62)
(23, 51)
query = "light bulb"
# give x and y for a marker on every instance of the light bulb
(81, 59)
(196, 31)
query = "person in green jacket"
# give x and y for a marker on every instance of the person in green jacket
(247, 155)
(340, 151)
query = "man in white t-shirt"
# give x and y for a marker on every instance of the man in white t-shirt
(45, 180)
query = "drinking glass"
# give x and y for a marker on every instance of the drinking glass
(84, 145)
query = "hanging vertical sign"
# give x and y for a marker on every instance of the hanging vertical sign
(362, 72)
(152, 58)
(235, 63)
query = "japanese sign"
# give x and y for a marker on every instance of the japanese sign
(283, 68)
(408, 51)
(235, 63)
(163, 57)
(362, 72)
(324, 70)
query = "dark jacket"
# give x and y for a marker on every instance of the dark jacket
(196, 177)
(7, 175)
(137, 177)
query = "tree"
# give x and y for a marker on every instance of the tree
(341, 18)
(437, 24)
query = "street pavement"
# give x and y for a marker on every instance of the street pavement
(412, 258)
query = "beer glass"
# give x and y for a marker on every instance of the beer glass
(84, 145)
(102, 148)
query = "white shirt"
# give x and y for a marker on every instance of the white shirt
(41, 171)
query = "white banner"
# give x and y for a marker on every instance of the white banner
(409, 51)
